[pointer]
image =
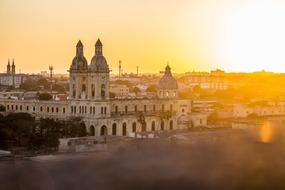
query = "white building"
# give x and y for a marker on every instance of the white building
(120, 90)
(10, 78)
(89, 99)
(259, 109)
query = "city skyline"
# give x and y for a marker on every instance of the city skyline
(233, 36)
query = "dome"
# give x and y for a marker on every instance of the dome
(167, 81)
(79, 63)
(99, 64)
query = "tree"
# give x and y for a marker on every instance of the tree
(136, 90)
(59, 88)
(45, 96)
(75, 127)
(29, 84)
(141, 119)
(213, 118)
(151, 88)
(2, 108)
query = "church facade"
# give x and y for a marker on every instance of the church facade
(89, 99)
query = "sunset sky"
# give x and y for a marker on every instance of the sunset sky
(200, 35)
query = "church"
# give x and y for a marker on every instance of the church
(102, 115)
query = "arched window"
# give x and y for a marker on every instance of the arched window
(103, 90)
(83, 87)
(92, 90)
(153, 125)
(144, 127)
(126, 109)
(162, 125)
(171, 125)
(102, 110)
(105, 110)
(22, 108)
(114, 129)
(92, 130)
(116, 109)
(124, 132)
(103, 130)
(134, 127)
(93, 110)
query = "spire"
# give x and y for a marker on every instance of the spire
(79, 49)
(98, 47)
(167, 69)
(79, 44)
(98, 43)
(13, 67)
(8, 67)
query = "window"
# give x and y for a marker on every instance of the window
(136, 108)
(92, 90)
(102, 110)
(47, 109)
(116, 109)
(16, 107)
(27, 108)
(105, 110)
(162, 125)
(34, 108)
(56, 109)
(124, 132)
(114, 129)
(144, 108)
(21, 107)
(153, 126)
(93, 110)
(134, 127)
(103, 90)
(126, 109)
(83, 87)
(171, 125)
(63, 110)
(171, 108)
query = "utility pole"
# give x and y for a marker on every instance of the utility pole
(120, 68)
(50, 75)
(137, 71)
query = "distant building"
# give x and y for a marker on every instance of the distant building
(215, 80)
(259, 109)
(119, 90)
(10, 78)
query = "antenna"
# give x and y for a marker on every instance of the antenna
(120, 68)
(137, 70)
(50, 74)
